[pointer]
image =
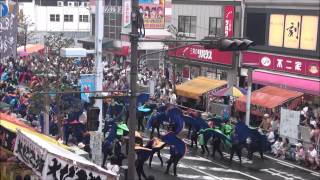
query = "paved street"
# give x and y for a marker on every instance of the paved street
(203, 167)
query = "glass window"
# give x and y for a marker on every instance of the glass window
(215, 26)
(68, 18)
(187, 25)
(54, 17)
(83, 18)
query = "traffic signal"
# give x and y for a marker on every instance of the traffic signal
(93, 118)
(227, 44)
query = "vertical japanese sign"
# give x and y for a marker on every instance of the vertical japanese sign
(153, 13)
(126, 13)
(87, 84)
(292, 31)
(228, 20)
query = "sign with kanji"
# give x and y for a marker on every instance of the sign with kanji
(228, 20)
(296, 65)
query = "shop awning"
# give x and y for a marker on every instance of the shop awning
(292, 83)
(30, 48)
(268, 97)
(198, 86)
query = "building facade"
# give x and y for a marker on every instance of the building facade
(195, 20)
(287, 36)
(69, 17)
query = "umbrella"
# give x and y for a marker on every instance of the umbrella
(231, 91)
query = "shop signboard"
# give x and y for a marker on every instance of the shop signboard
(153, 13)
(87, 84)
(126, 13)
(198, 53)
(228, 20)
(295, 65)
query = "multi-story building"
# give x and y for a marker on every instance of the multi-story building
(117, 26)
(197, 19)
(288, 44)
(69, 17)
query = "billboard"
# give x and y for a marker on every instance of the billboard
(153, 13)
(87, 84)
(228, 20)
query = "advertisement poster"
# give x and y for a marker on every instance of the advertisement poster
(153, 13)
(126, 13)
(87, 84)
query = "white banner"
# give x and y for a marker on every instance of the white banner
(289, 122)
(30, 153)
(59, 169)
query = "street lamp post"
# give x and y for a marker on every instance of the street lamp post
(251, 67)
(98, 50)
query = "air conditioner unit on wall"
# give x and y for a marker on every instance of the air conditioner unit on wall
(60, 3)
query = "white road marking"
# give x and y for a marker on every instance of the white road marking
(296, 166)
(225, 170)
(183, 165)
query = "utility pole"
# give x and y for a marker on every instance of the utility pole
(98, 48)
(133, 86)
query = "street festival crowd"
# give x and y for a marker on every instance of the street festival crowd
(19, 79)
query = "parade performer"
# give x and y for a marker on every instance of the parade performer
(156, 145)
(177, 150)
(142, 156)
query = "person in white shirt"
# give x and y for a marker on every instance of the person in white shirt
(276, 146)
(313, 159)
(173, 97)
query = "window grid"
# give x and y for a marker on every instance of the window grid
(187, 25)
(83, 18)
(68, 18)
(215, 26)
(54, 17)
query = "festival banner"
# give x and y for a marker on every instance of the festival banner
(153, 13)
(30, 153)
(8, 33)
(87, 84)
(57, 168)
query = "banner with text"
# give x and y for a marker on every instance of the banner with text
(30, 153)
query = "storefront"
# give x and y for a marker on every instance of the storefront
(293, 73)
(287, 45)
(193, 60)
